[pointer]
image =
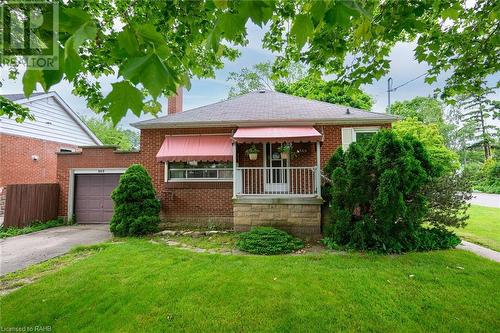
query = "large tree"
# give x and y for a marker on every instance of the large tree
(427, 110)
(313, 87)
(125, 139)
(261, 76)
(477, 110)
(151, 46)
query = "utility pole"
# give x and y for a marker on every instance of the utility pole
(389, 90)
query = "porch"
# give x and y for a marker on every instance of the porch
(272, 173)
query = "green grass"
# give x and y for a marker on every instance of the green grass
(35, 226)
(220, 242)
(483, 227)
(141, 286)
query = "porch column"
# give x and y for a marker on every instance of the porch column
(318, 170)
(235, 174)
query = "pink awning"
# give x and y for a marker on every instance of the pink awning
(277, 134)
(185, 148)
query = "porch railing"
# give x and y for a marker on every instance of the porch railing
(277, 181)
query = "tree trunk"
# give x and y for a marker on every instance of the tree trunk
(486, 142)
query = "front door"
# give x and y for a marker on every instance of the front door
(277, 176)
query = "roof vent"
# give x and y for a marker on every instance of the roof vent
(261, 91)
(347, 111)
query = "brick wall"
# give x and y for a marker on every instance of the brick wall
(190, 203)
(17, 165)
(333, 138)
(98, 157)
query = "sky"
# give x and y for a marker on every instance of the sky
(403, 68)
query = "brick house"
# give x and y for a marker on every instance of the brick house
(28, 150)
(201, 170)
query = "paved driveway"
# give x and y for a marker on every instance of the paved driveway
(25, 250)
(485, 199)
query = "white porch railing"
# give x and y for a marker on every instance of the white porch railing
(277, 181)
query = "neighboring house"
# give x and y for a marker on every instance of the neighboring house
(202, 174)
(28, 150)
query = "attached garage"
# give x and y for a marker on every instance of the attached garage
(92, 197)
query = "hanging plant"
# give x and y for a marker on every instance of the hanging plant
(286, 150)
(252, 152)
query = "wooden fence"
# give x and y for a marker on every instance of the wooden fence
(26, 203)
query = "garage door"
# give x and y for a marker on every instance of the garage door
(93, 202)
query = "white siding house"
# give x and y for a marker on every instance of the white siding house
(54, 121)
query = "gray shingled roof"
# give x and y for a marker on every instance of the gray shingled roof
(265, 107)
(16, 97)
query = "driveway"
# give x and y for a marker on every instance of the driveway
(485, 199)
(25, 250)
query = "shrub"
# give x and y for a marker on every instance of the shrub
(448, 198)
(489, 177)
(426, 239)
(136, 207)
(267, 240)
(378, 201)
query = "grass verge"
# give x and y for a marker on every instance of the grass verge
(35, 226)
(483, 227)
(138, 285)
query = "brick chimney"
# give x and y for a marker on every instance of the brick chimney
(175, 102)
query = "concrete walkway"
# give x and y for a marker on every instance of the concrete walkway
(480, 250)
(25, 250)
(485, 199)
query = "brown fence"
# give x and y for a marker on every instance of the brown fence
(26, 203)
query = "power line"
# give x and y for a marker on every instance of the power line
(391, 89)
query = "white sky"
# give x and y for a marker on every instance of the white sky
(403, 68)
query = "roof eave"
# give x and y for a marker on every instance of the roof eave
(246, 123)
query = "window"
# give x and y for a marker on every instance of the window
(66, 150)
(199, 171)
(363, 136)
(357, 134)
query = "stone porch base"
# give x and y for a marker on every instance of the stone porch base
(300, 217)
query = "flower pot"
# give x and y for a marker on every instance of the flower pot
(252, 157)
(284, 156)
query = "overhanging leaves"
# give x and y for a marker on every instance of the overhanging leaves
(123, 97)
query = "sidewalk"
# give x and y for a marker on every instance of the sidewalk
(480, 250)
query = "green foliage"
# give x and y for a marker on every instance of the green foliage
(377, 200)
(428, 111)
(448, 200)
(269, 241)
(11, 109)
(489, 177)
(425, 109)
(261, 76)
(313, 87)
(426, 239)
(33, 227)
(252, 150)
(154, 46)
(113, 135)
(136, 206)
(442, 158)
(475, 113)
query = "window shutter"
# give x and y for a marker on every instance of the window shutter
(347, 137)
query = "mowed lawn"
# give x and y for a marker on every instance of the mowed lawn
(483, 227)
(142, 286)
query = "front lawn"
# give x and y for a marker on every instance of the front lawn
(138, 285)
(483, 227)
